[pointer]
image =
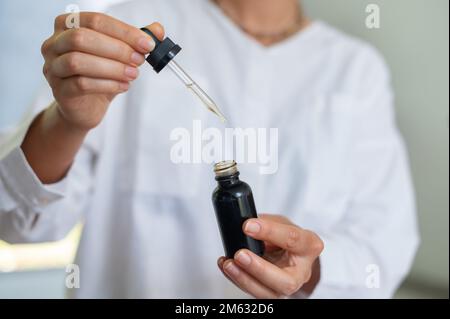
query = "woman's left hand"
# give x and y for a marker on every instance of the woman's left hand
(290, 261)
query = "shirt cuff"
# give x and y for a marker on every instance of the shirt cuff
(22, 183)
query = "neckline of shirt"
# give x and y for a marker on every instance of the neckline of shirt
(295, 39)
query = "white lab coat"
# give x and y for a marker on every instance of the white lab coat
(150, 229)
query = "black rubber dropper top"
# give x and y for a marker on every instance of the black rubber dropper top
(163, 53)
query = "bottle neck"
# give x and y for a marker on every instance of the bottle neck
(227, 181)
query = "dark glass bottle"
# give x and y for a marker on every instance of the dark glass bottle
(233, 203)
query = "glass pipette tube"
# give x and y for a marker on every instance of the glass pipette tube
(197, 90)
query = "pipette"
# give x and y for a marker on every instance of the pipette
(163, 55)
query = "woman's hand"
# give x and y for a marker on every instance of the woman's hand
(88, 66)
(290, 261)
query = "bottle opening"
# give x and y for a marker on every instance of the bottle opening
(225, 168)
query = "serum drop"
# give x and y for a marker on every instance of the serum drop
(233, 203)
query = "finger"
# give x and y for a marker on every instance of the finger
(269, 274)
(220, 263)
(80, 85)
(287, 237)
(48, 75)
(276, 218)
(77, 63)
(270, 248)
(245, 282)
(157, 29)
(98, 44)
(46, 47)
(112, 27)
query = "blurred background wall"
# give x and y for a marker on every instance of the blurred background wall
(413, 37)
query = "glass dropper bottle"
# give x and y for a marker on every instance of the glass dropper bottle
(163, 55)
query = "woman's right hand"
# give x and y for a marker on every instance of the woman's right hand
(88, 66)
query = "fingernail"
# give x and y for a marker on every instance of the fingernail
(146, 44)
(124, 86)
(252, 227)
(243, 258)
(137, 58)
(131, 72)
(231, 269)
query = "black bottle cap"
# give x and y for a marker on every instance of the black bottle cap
(163, 53)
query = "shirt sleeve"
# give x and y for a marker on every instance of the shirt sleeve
(370, 250)
(31, 211)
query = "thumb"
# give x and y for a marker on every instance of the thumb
(157, 29)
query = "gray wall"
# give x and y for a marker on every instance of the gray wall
(413, 37)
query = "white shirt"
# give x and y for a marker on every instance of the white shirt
(150, 229)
